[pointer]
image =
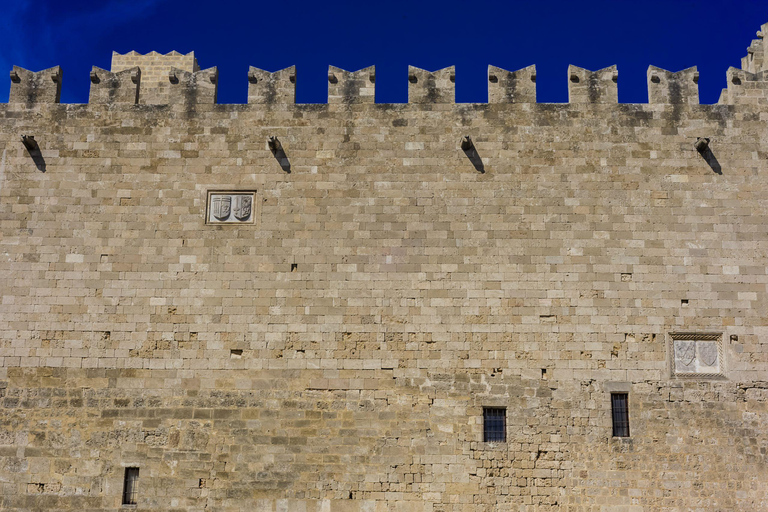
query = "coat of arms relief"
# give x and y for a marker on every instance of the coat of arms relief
(230, 207)
(697, 354)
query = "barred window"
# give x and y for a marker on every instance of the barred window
(620, 413)
(494, 424)
(130, 486)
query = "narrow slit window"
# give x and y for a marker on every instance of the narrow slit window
(130, 486)
(494, 424)
(620, 413)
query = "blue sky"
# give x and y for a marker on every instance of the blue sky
(672, 34)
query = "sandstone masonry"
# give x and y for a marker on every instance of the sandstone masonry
(291, 307)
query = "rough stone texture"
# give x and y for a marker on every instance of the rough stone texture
(675, 88)
(585, 86)
(278, 88)
(351, 86)
(511, 86)
(30, 88)
(121, 87)
(431, 86)
(155, 68)
(336, 354)
(755, 61)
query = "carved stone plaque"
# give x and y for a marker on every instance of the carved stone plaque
(230, 207)
(697, 354)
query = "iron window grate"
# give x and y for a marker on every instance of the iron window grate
(130, 486)
(620, 413)
(494, 424)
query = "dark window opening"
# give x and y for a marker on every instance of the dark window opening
(494, 424)
(130, 486)
(620, 413)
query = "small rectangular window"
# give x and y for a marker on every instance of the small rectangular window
(130, 486)
(494, 424)
(620, 414)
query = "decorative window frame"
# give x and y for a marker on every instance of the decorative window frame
(231, 220)
(713, 337)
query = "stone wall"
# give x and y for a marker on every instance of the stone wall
(334, 350)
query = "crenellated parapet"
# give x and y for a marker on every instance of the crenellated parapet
(431, 86)
(272, 88)
(166, 85)
(111, 88)
(749, 85)
(176, 79)
(745, 88)
(351, 86)
(585, 86)
(30, 88)
(511, 86)
(681, 87)
(757, 58)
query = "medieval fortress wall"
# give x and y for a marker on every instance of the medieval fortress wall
(290, 307)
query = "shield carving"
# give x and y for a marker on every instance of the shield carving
(685, 355)
(708, 353)
(221, 206)
(242, 207)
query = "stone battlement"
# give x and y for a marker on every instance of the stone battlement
(173, 78)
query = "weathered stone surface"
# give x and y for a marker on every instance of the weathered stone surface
(351, 86)
(673, 88)
(431, 86)
(511, 86)
(29, 88)
(585, 86)
(121, 87)
(335, 352)
(274, 89)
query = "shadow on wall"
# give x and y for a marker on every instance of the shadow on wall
(279, 153)
(471, 151)
(712, 161)
(702, 146)
(34, 151)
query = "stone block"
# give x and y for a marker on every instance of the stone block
(30, 88)
(585, 86)
(676, 88)
(348, 87)
(114, 88)
(431, 86)
(276, 88)
(511, 86)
